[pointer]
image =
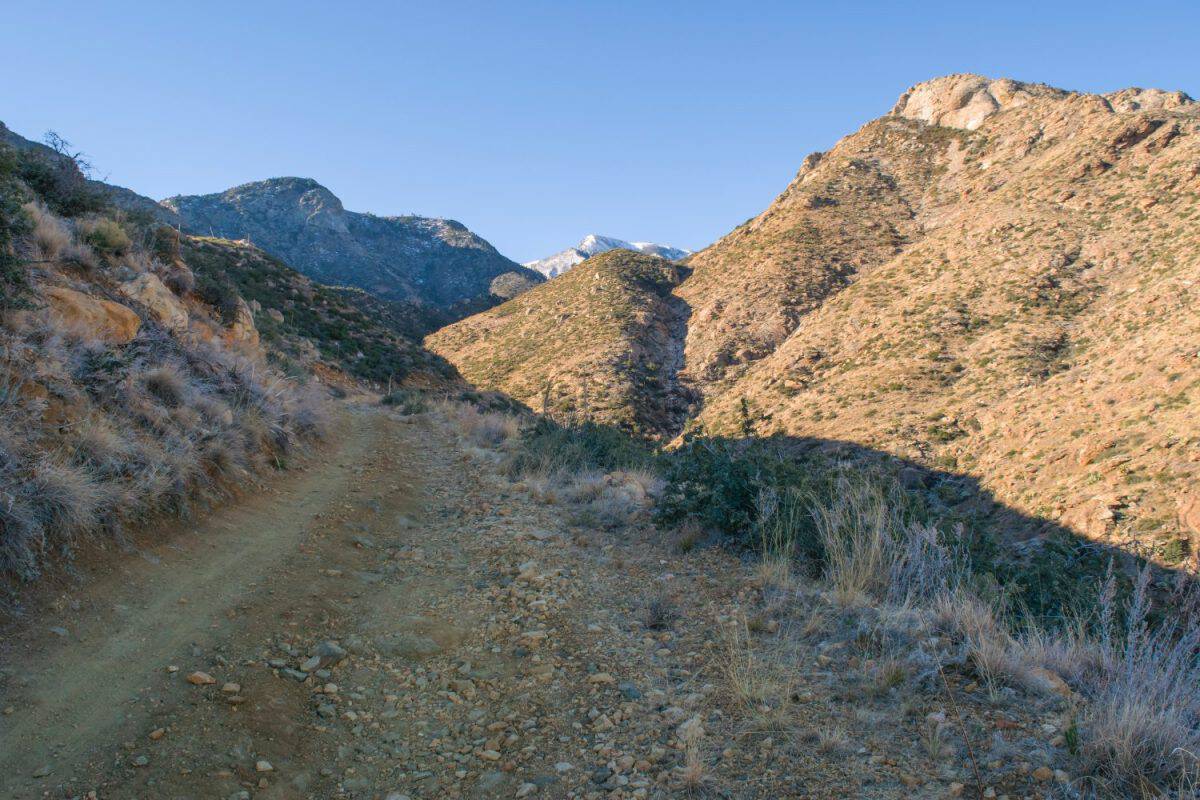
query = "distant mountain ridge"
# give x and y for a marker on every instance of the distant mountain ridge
(432, 261)
(594, 244)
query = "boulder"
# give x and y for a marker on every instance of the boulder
(111, 322)
(161, 302)
(242, 329)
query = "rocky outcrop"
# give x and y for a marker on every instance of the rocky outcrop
(160, 301)
(241, 330)
(436, 262)
(965, 101)
(111, 322)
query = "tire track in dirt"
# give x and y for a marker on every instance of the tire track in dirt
(73, 694)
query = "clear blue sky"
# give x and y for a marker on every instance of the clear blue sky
(533, 123)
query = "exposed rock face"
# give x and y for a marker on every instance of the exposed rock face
(432, 261)
(965, 101)
(241, 330)
(109, 321)
(160, 301)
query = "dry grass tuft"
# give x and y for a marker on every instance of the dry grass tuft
(482, 428)
(761, 681)
(51, 234)
(659, 611)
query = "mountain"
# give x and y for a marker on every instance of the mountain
(434, 262)
(599, 343)
(591, 245)
(996, 279)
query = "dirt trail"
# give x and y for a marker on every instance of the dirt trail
(401, 621)
(78, 676)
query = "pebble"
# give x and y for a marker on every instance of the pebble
(263, 766)
(199, 678)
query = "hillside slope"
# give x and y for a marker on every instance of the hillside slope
(1034, 323)
(437, 262)
(996, 279)
(598, 342)
(125, 394)
(308, 327)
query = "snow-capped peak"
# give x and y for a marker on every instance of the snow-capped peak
(594, 244)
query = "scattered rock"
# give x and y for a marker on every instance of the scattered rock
(199, 678)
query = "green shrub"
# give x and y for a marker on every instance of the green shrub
(547, 446)
(406, 401)
(13, 222)
(107, 237)
(60, 184)
(166, 245)
(717, 483)
(219, 292)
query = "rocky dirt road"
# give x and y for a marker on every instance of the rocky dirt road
(398, 620)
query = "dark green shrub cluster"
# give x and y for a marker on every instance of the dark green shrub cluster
(59, 181)
(406, 401)
(717, 483)
(13, 222)
(547, 446)
(108, 238)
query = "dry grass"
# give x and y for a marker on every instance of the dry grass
(1135, 683)
(489, 429)
(761, 680)
(659, 611)
(1140, 726)
(692, 776)
(50, 233)
(152, 427)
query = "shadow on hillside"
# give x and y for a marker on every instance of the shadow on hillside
(1051, 566)
(683, 401)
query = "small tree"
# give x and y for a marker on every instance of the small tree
(60, 177)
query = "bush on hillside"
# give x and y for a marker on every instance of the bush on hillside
(106, 237)
(717, 483)
(548, 447)
(14, 222)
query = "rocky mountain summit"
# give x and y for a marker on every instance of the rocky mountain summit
(593, 244)
(438, 262)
